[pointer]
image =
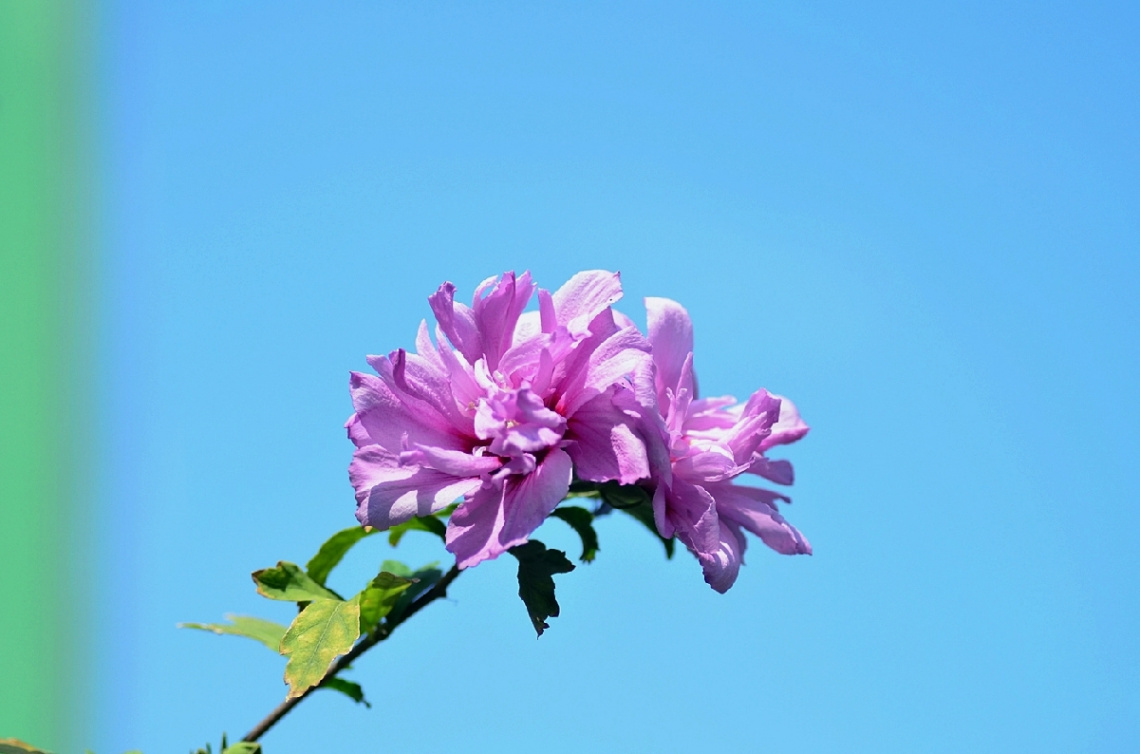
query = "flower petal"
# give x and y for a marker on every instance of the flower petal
(722, 566)
(453, 462)
(584, 296)
(423, 386)
(606, 362)
(388, 493)
(661, 513)
(692, 511)
(788, 428)
(530, 499)
(711, 465)
(671, 335)
(755, 510)
(426, 349)
(457, 322)
(461, 375)
(753, 427)
(499, 516)
(474, 527)
(497, 313)
(357, 432)
(605, 442)
(386, 416)
(780, 471)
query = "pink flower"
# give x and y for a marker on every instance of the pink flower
(703, 445)
(499, 411)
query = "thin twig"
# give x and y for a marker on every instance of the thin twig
(381, 633)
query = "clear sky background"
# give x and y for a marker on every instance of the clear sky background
(920, 223)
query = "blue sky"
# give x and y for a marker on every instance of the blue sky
(919, 223)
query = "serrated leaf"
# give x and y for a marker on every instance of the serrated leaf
(427, 523)
(333, 551)
(581, 520)
(16, 746)
(537, 566)
(323, 631)
(264, 631)
(286, 581)
(379, 597)
(643, 512)
(243, 747)
(352, 690)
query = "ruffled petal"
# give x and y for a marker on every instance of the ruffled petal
(754, 426)
(584, 296)
(722, 566)
(457, 322)
(712, 465)
(755, 510)
(788, 428)
(387, 417)
(671, 335)
(497, 313)
(453, 462)
(388, 493)
(426, 349)
(606, 362)
(530, 499)
(357, 433)
(499, 516)
(692, 511)
(661, 513)
(461, 374)
(780, 472)
(423, 386)
(474, 528)
(605, 443)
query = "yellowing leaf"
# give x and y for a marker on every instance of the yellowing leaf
(264, 631)
(16, 746)
(323, 631)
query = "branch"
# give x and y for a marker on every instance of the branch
(381, 633)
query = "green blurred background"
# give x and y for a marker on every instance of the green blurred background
(45, 380)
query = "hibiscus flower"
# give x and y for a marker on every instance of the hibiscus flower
(702, 445)
(500, 411)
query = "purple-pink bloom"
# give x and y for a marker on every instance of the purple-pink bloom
(500, 411)
(704, 444)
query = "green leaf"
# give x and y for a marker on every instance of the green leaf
(624, 495)
(427, 523)
(424, 579)
(16, 746)
(288, 582)
(348, 688)
(333, 550)
(379, 597)
(581, 520)
(323, 631)
(537, 566)
(243, 747)
(643, 512)
(264, 631)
